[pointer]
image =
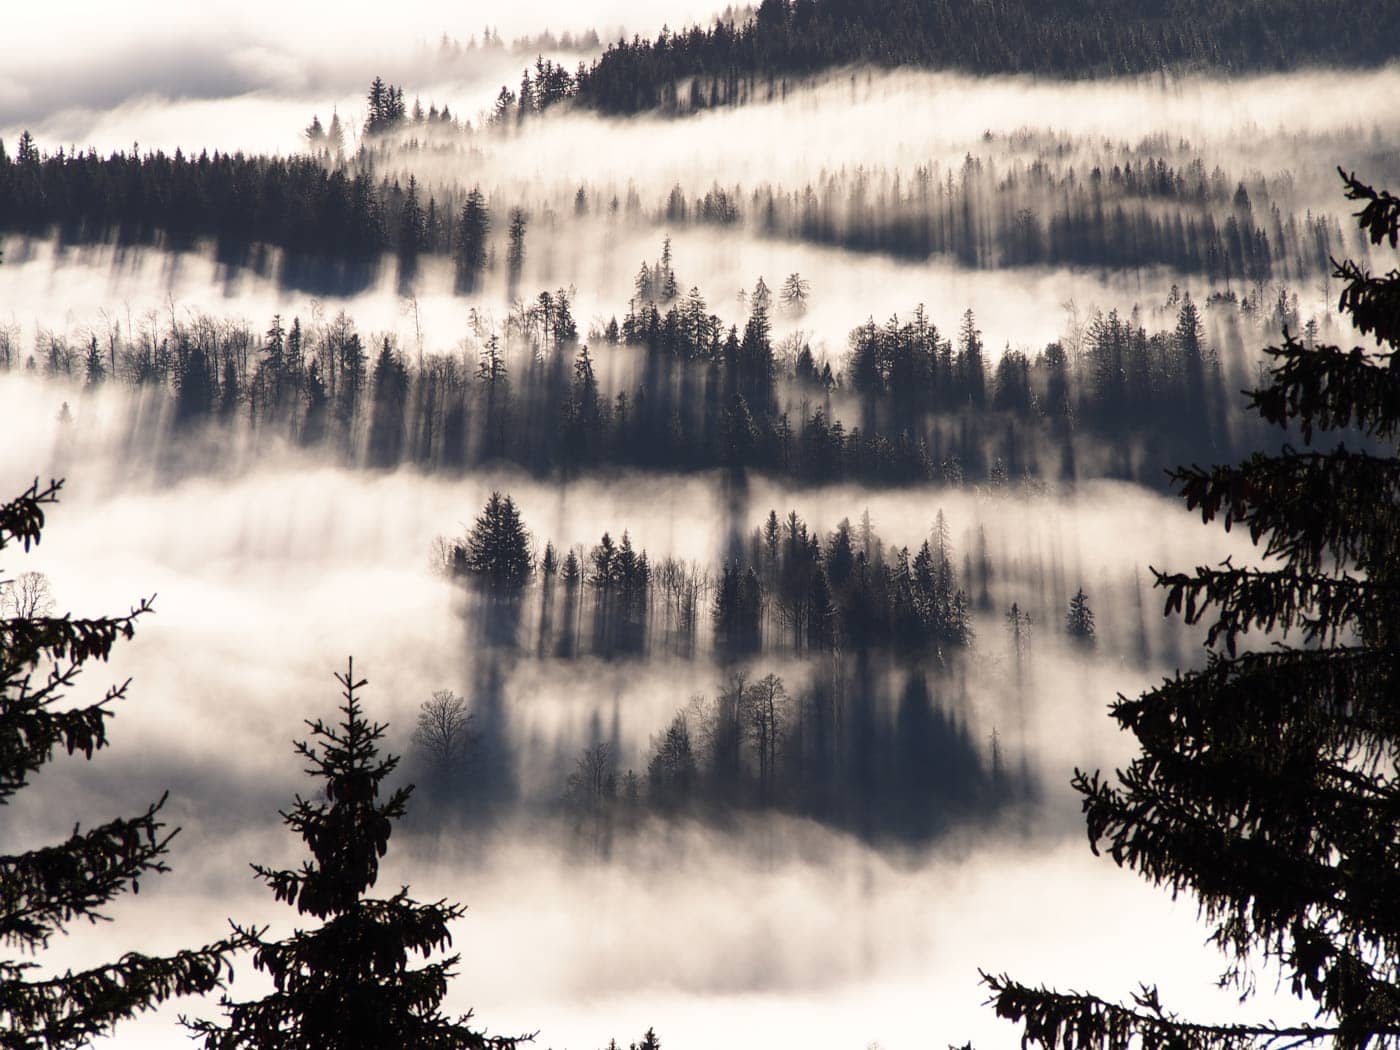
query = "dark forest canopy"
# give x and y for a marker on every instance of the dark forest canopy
(335, 220)
(913, 403)
(697, 68)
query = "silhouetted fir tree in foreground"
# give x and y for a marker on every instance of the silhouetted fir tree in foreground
(348, 983)
(43, 890)
(1267, 782)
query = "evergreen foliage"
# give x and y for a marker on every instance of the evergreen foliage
(45, 889)
(336, 218)
(496, 551)
(731, 63)
(1079, 620)
(347, 985)
(705, 398)
(1266, 785)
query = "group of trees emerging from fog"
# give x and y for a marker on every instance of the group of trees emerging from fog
(1138, 212)
(892, 765)
(786, 591)
(919, 405)
(874, 742)
(1266, 781)
(698, 68)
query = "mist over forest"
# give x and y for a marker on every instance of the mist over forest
(743, 451)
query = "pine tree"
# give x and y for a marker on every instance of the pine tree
(1079, 620)
(347, 985)
(1267, 784)
(377, 103)
(973, 370)
(43, 890)
(796, 291)
(335, 137)
(472, 230)
(497, 549)
(315, 135)
(94, 369)
(515, 256)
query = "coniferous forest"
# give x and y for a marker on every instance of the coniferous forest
(657, 524)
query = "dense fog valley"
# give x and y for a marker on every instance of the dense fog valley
(743, 451)
(265, 578)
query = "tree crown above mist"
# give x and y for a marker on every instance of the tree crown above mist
(348, 983)
(1266, 784)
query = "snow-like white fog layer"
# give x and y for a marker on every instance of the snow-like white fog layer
(900, 119)
(76, 293)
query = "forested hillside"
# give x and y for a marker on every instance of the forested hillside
(745, 459)
(697, 67)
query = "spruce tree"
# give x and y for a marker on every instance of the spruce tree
(1266, 785)
(347, 985)
(496, 551)
(43, 890)
(1079, 620)
(472, 231)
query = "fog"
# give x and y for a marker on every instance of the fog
(74, 292)
(779, 928)
(850, 119)
(239, 75)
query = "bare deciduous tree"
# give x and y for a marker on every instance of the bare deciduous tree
(26, 596)
(594, 780)
(766, 703)
(590, 793)
(444, 732)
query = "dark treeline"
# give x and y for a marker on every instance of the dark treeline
(784, 590)
(333, 222)
(923, 406)
(875, 742)
(930, 405)
(726, 64)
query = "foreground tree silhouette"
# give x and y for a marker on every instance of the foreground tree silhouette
(347, 985)
(1267, 782)
(43, 890)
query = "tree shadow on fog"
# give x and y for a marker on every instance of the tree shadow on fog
(325, 276)
(464, 758)
(864, 749)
